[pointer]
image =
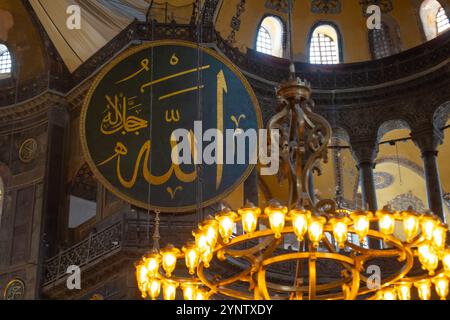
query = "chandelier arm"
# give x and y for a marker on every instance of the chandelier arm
(438, 273)
(312, 276)
(245, 252)
(263, 286)
(409, 262)
(219, 288)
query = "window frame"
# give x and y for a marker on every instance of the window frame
(339, 40)
(283, 36)
(436, 21)
(387, 32)
(11, 55)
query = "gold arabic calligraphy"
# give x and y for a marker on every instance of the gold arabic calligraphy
(117, 119)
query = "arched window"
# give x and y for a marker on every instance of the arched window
(270, 36)
(434, 19)
(324, 45)
(5, 62)
(442, 22)
(381, 44)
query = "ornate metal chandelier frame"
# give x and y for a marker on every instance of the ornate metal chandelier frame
(303, 142)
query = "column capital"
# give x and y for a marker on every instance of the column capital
(364, 151)
(427, 139)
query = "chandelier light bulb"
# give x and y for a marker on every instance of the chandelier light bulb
(154, 288)
(424, 289)
(210, 228)
(404, 291)
(340, 230)
(191, 256)
(226, 221)
(446, 261)
(249, 215)
(411, 224)
(189, 291)
(386, 221)
(207, 256)
(361, 223)
(201, 240)
(439, 236)
(300, 218)
(152, 263)
(441, 286)
(142, 278)
(201, 295)
(427, 225)
(315, 231)
(169, 259)
(390, 294)
(277, 215)
(169, 289)
(428, 258)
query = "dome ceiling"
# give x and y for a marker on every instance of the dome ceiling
(237, 21)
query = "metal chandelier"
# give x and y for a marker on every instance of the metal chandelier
(239, 255)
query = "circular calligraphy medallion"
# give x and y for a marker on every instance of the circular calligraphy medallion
(170, 98)
(27, 150)
(14, 290)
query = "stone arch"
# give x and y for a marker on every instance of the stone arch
(441, 115)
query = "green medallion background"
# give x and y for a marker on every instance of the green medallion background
(140, 99)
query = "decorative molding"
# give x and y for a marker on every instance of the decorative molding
(385, 5)
(383, 180)
(278, 5)
(326, 6)
(14, 290)
(404, 201)
(235, 23)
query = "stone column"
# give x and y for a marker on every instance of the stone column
(427, 140)
(54, 221)
(365, 153)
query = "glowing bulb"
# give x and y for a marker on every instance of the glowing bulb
(191, 256)
(189, 291)
(428, 258)
(424, 289)
(201, 240)
(169, 259)
(389, 294)
(446, 261)
(439, 236)
(226, 220)
(340, 230)
(315, 231)
(142, 279)
(361, 223)
(276, 214)
(152, 262)
(210, 228)
(142, 273)
(404, 291)
(428, 224)
(201, 295)
(249, 216)
(411, 223)
(169, 290)
(154, 288)
(207, 256)
(300, 218)
(441, 286)
(386, 220)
